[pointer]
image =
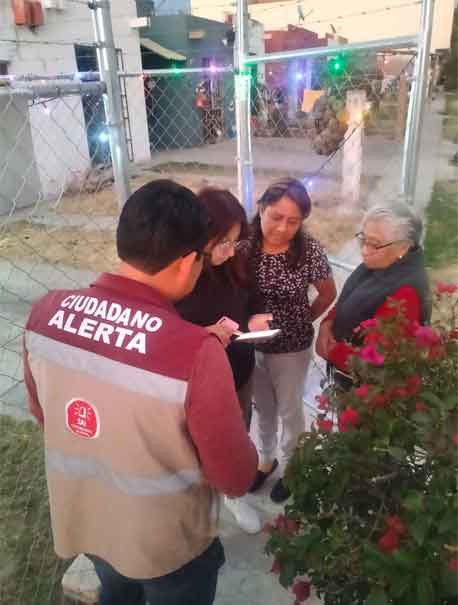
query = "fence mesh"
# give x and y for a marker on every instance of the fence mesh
(338, 123)
(323, 122)
(58, 213)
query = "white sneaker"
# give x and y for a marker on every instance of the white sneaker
(245, 515)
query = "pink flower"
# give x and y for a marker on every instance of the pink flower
(325, 425)
(348, 418)
(369, 323)
(443, 288)
(455, 438)
(301, 590)
(426, 337)
(371, 355)
(362, 391)
(323, 402)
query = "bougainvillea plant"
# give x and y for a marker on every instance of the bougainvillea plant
(374, 508)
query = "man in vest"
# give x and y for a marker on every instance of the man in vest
(141, 421)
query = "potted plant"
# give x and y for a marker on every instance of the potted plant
(373, 517)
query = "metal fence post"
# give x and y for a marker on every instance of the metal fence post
(417, 105)
(243, 113)
(108, 67)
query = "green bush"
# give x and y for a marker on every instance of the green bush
(373, 518)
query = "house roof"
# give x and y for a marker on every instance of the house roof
(160, 50)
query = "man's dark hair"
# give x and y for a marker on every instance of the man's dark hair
(160, 222)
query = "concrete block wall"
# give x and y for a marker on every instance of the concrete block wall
(59, 139)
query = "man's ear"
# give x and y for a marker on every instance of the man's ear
(185, 264)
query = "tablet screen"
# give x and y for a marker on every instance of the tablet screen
(261, 335)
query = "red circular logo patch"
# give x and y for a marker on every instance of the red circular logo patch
(82, 419)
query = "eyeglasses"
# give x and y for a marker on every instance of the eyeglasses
(371, 246)
(227, 246)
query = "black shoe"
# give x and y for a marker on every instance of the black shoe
(261, 477)
(279, 492)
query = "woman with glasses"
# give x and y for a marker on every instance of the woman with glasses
(392, 268)
(220, 302)
(284, 261)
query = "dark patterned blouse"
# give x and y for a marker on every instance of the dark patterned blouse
(283, 291)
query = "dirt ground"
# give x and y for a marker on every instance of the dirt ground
(60, 235)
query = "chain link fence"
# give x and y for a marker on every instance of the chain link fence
(337, 123)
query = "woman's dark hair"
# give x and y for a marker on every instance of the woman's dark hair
(294, 190)
(224, 211)
(160, 222)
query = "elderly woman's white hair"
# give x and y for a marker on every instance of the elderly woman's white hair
(406, 224)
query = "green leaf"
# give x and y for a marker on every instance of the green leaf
(421, 418)
(451, 401)
(377, 597)
(398, 453)
(287, 573)
(425, 591)
(432, 398)
(449, 583)
(413, 502)
(419, 529)
(448, 523)
(400, 585)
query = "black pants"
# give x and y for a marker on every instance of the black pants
(192, 584)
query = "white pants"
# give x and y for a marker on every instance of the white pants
(279, 381)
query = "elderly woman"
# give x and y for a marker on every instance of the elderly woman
(392, 268)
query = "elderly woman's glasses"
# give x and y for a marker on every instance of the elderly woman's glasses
(371, 245)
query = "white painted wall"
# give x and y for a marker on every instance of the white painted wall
(59, 139)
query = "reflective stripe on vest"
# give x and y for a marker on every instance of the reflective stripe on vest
(75, 467)
(105, 369)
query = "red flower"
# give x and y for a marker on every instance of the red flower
(453, 564)
(275, 567)
(268, 528)
(453, 335)
(325, 425)
(323, 402)
(349, 417)
(401, 392)
(369, 323)
(420, 406)
(455, 438)
(437, 352)
(443, 288)
(389, 542)
(396, 524)
(362, 391)
(285, 525)
(301, 590)
(380, 400)
(413, 384)
(426, 337)
(371, 355)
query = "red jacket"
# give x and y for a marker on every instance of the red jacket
(141, 424)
